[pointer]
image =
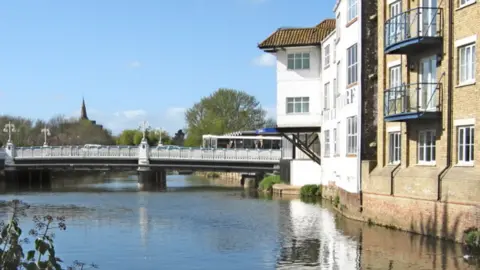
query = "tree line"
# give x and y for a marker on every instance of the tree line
(74, 131)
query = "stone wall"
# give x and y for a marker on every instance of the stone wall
(421, 203)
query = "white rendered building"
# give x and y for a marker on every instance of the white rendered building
(326, 85)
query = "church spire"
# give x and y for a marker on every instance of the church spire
(83, 114)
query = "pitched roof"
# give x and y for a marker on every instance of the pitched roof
(293, 37)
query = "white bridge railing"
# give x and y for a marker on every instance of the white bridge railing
(133, 152)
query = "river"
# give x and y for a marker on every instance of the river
(194, 225)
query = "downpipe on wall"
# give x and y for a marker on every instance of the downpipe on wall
(449, 99)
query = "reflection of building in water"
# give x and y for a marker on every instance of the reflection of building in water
(313, 240)
(143, 222)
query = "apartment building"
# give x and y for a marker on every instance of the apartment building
(428, 98)
(299, 98)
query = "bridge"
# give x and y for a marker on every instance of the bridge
(150, 162)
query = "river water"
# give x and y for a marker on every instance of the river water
(194, 225)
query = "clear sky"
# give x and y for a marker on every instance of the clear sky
(137, 60)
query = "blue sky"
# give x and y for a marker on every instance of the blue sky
(137, 60)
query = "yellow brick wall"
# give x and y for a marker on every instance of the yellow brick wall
(466, 99)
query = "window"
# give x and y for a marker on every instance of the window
(298, 61)
(334, 54)
(327, 56)
(352, 135)
(350, 97)
(395, 80)
(466, 2)
(298, 105)
(352, 9)
(466, 59)
(426, 147)
(326, 97)
(338, 28)
(327, 143)
(394, 147)
(465, 142)
(352, 73)
(334, 135)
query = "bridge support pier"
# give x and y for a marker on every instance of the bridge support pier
(251, 181)
(152, 179)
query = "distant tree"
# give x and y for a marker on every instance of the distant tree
(179, 138)
(126, 137)
(226, 110)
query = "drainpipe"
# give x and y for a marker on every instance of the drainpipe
(449, 99)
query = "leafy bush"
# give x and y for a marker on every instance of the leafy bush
(311, 190)
(472, 238)
(43, 256)
(267, 183)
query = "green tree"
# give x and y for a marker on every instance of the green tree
(127, 137)
(226, 110)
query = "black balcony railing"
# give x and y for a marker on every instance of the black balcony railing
(413, 27)
(412, 101)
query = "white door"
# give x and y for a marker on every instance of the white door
(428, 17)
(427, 96)
(395, 22)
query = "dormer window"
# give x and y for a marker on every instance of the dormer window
(298, 61)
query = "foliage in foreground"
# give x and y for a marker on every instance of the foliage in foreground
(311, 190)
(43, 256)
(472, 238)
(267, 183)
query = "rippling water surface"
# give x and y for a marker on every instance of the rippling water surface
(197, 226)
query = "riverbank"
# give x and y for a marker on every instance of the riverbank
(229, 179)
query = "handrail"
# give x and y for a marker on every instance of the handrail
(414, 97)
(410, 24)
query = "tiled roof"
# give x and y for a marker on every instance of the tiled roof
(292, 37)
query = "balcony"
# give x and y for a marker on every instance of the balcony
(412, 101)
(414, 31)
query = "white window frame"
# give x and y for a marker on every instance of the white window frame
(337, 140)
(462, 156)
(326, 56)
(303, 62)
(352, 129)
(338, 30)
(463, 3)
(352, 9)
(326, 135)
(395, 80)
(304, 105)
(326, 96)
(424, 147)
(352, 64)
(466, 64)
(394, 147)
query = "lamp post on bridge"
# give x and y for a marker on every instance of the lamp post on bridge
(46, 132)
(144, 127)
(9, 128)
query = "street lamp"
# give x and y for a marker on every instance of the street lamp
(9, 128)
(160, 130)
(46, 132)
(144, 126)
